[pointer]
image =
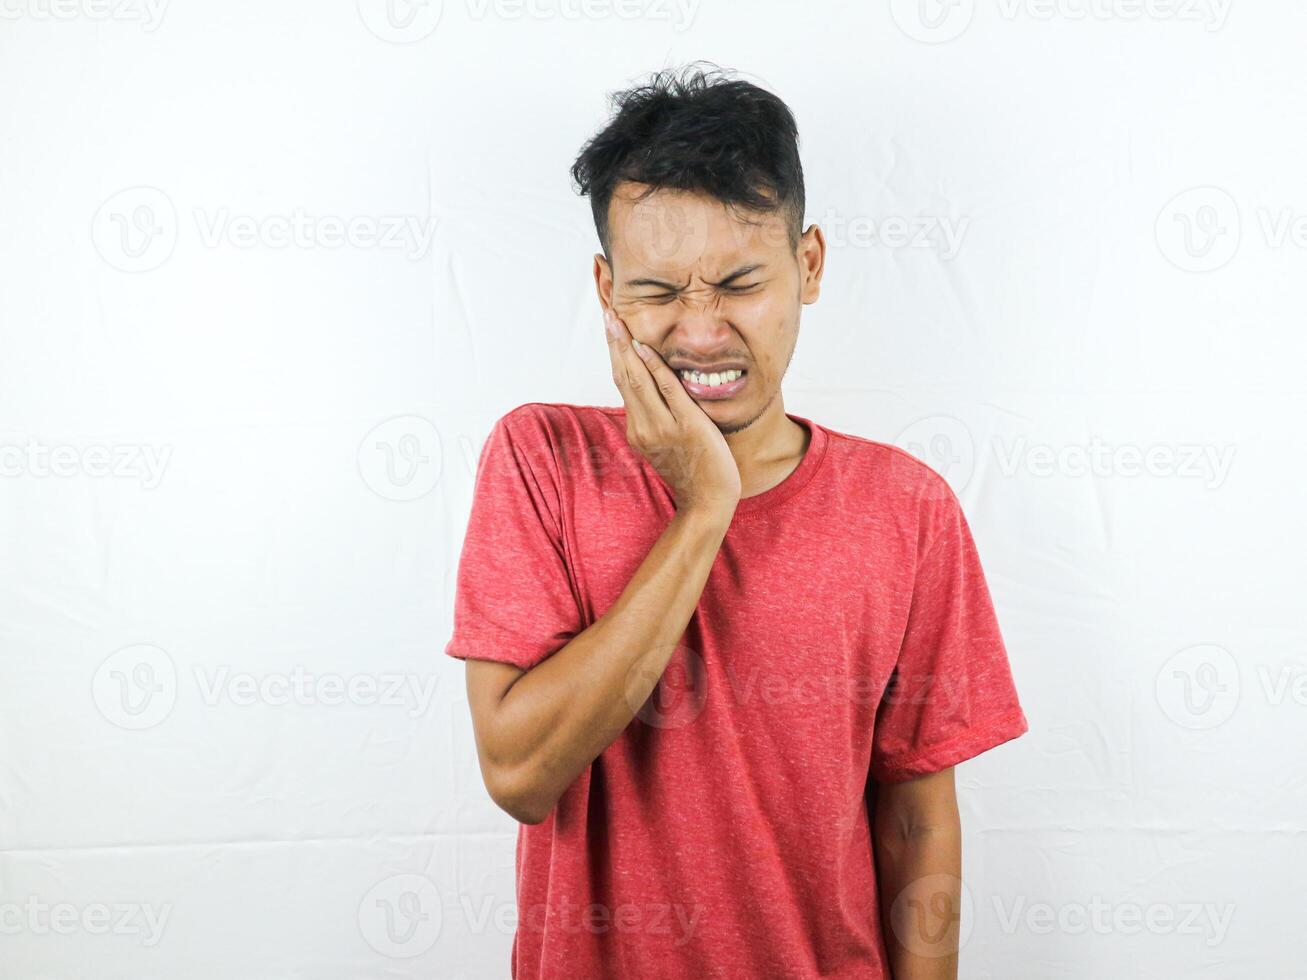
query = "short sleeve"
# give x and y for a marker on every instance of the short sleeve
(514, 601)
(951, 695)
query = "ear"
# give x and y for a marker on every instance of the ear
(811, 255)
(603, 274)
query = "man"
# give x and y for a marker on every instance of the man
(721, 659)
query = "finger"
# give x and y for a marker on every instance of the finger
(637, 385)
(621, 374)
(668, 383)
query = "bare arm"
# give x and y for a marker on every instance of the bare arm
(917, 836)
(537, 730)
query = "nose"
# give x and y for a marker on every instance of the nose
(701, 325)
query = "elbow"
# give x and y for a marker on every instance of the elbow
(517, 797)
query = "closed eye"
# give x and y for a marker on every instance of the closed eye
(661, 297)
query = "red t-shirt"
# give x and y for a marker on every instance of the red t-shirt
(724, 833)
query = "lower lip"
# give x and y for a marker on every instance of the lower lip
(710, 393)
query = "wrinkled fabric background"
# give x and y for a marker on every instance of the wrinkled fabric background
(271, 271)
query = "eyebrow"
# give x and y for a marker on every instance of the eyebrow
(662, 284)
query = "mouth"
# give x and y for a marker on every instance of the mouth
(713, 385)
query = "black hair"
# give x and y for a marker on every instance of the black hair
(692, 129)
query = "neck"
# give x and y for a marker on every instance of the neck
(768, 449)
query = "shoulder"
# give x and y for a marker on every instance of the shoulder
(550, 432)
(888, 467)
(559, 420)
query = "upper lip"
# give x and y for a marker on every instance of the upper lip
(716, 368)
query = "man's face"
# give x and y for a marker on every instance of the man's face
(707, 289)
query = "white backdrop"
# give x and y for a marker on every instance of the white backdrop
(271, 271)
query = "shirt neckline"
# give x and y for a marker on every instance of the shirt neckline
(798, 478)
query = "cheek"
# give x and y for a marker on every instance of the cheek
(767, 309)
(649, 321)
(765, 318)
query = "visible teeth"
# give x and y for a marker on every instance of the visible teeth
(711, 380)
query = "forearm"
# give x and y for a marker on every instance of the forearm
(919, 876)
(560, 715)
